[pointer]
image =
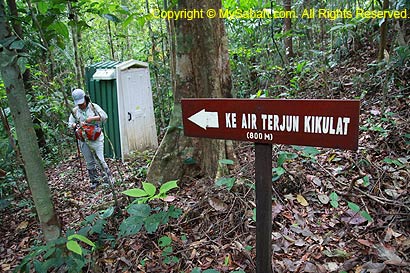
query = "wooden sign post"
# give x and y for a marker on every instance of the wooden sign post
(322, 123)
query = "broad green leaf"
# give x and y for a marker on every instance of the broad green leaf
(111, 17)
(166, 187)
(7, 41)
(149, 188)
(38, 266)
(366, 215)
(151, 223)
(135, 193)
(211, 271)
(82, 239)
(130, 226)
(283, 156)
(277, 173)
(174, 213)
(366, 181)
(164, 241)
(333, 196)
(73, 246)
(42, 6)
(60, 28)
(353, 206)
(19, 44)
(107, 213)
(139, 210)
(334, 203)
(196, 270)
(226, 161)
(228, 182)
(21, 62)
(128, 20)
(311, 151)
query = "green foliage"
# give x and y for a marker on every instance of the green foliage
(61, 253)
(142, 215)
(282, 158)
(148, 191)
(334, 199)
(308, 152)
(227, 182)
(165, 243)
(356, 208)
(395, 162)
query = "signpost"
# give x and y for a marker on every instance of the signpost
(322, 123)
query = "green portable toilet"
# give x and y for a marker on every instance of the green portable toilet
(123, 90)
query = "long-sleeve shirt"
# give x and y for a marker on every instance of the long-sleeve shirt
(91, 110)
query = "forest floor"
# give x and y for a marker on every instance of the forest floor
(332, 210)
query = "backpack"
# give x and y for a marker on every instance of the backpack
(88, 131)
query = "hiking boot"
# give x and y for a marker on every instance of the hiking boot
(93, 174)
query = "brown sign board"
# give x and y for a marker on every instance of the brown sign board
(320, 123)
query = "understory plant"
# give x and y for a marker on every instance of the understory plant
(72, 253)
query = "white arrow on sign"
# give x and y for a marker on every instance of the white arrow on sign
(205, 119)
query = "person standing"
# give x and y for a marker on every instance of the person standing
(86, 119)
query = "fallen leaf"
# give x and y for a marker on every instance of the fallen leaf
(317, 181)
(375, 112)
(332, 266)
(169, 198)
(354, 218)
(276, 210)
(300, 242)
(302, 200)
(387, 254)
(391, 233)
(309, 267)
(392, 193)
(370, 267)
(217, 204)
(22, 225)
(5, 267)
(323, 198)
(365, 242)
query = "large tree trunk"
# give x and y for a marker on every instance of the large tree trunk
(14, 85)
(202, 71)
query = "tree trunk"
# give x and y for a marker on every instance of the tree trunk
(202, 71)
(14, 85)
(287, 27)
(74, 36)
(383, 33)
(110, 42)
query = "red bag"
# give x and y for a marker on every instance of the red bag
(89, 131)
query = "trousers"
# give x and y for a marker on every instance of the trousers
(93, 152)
